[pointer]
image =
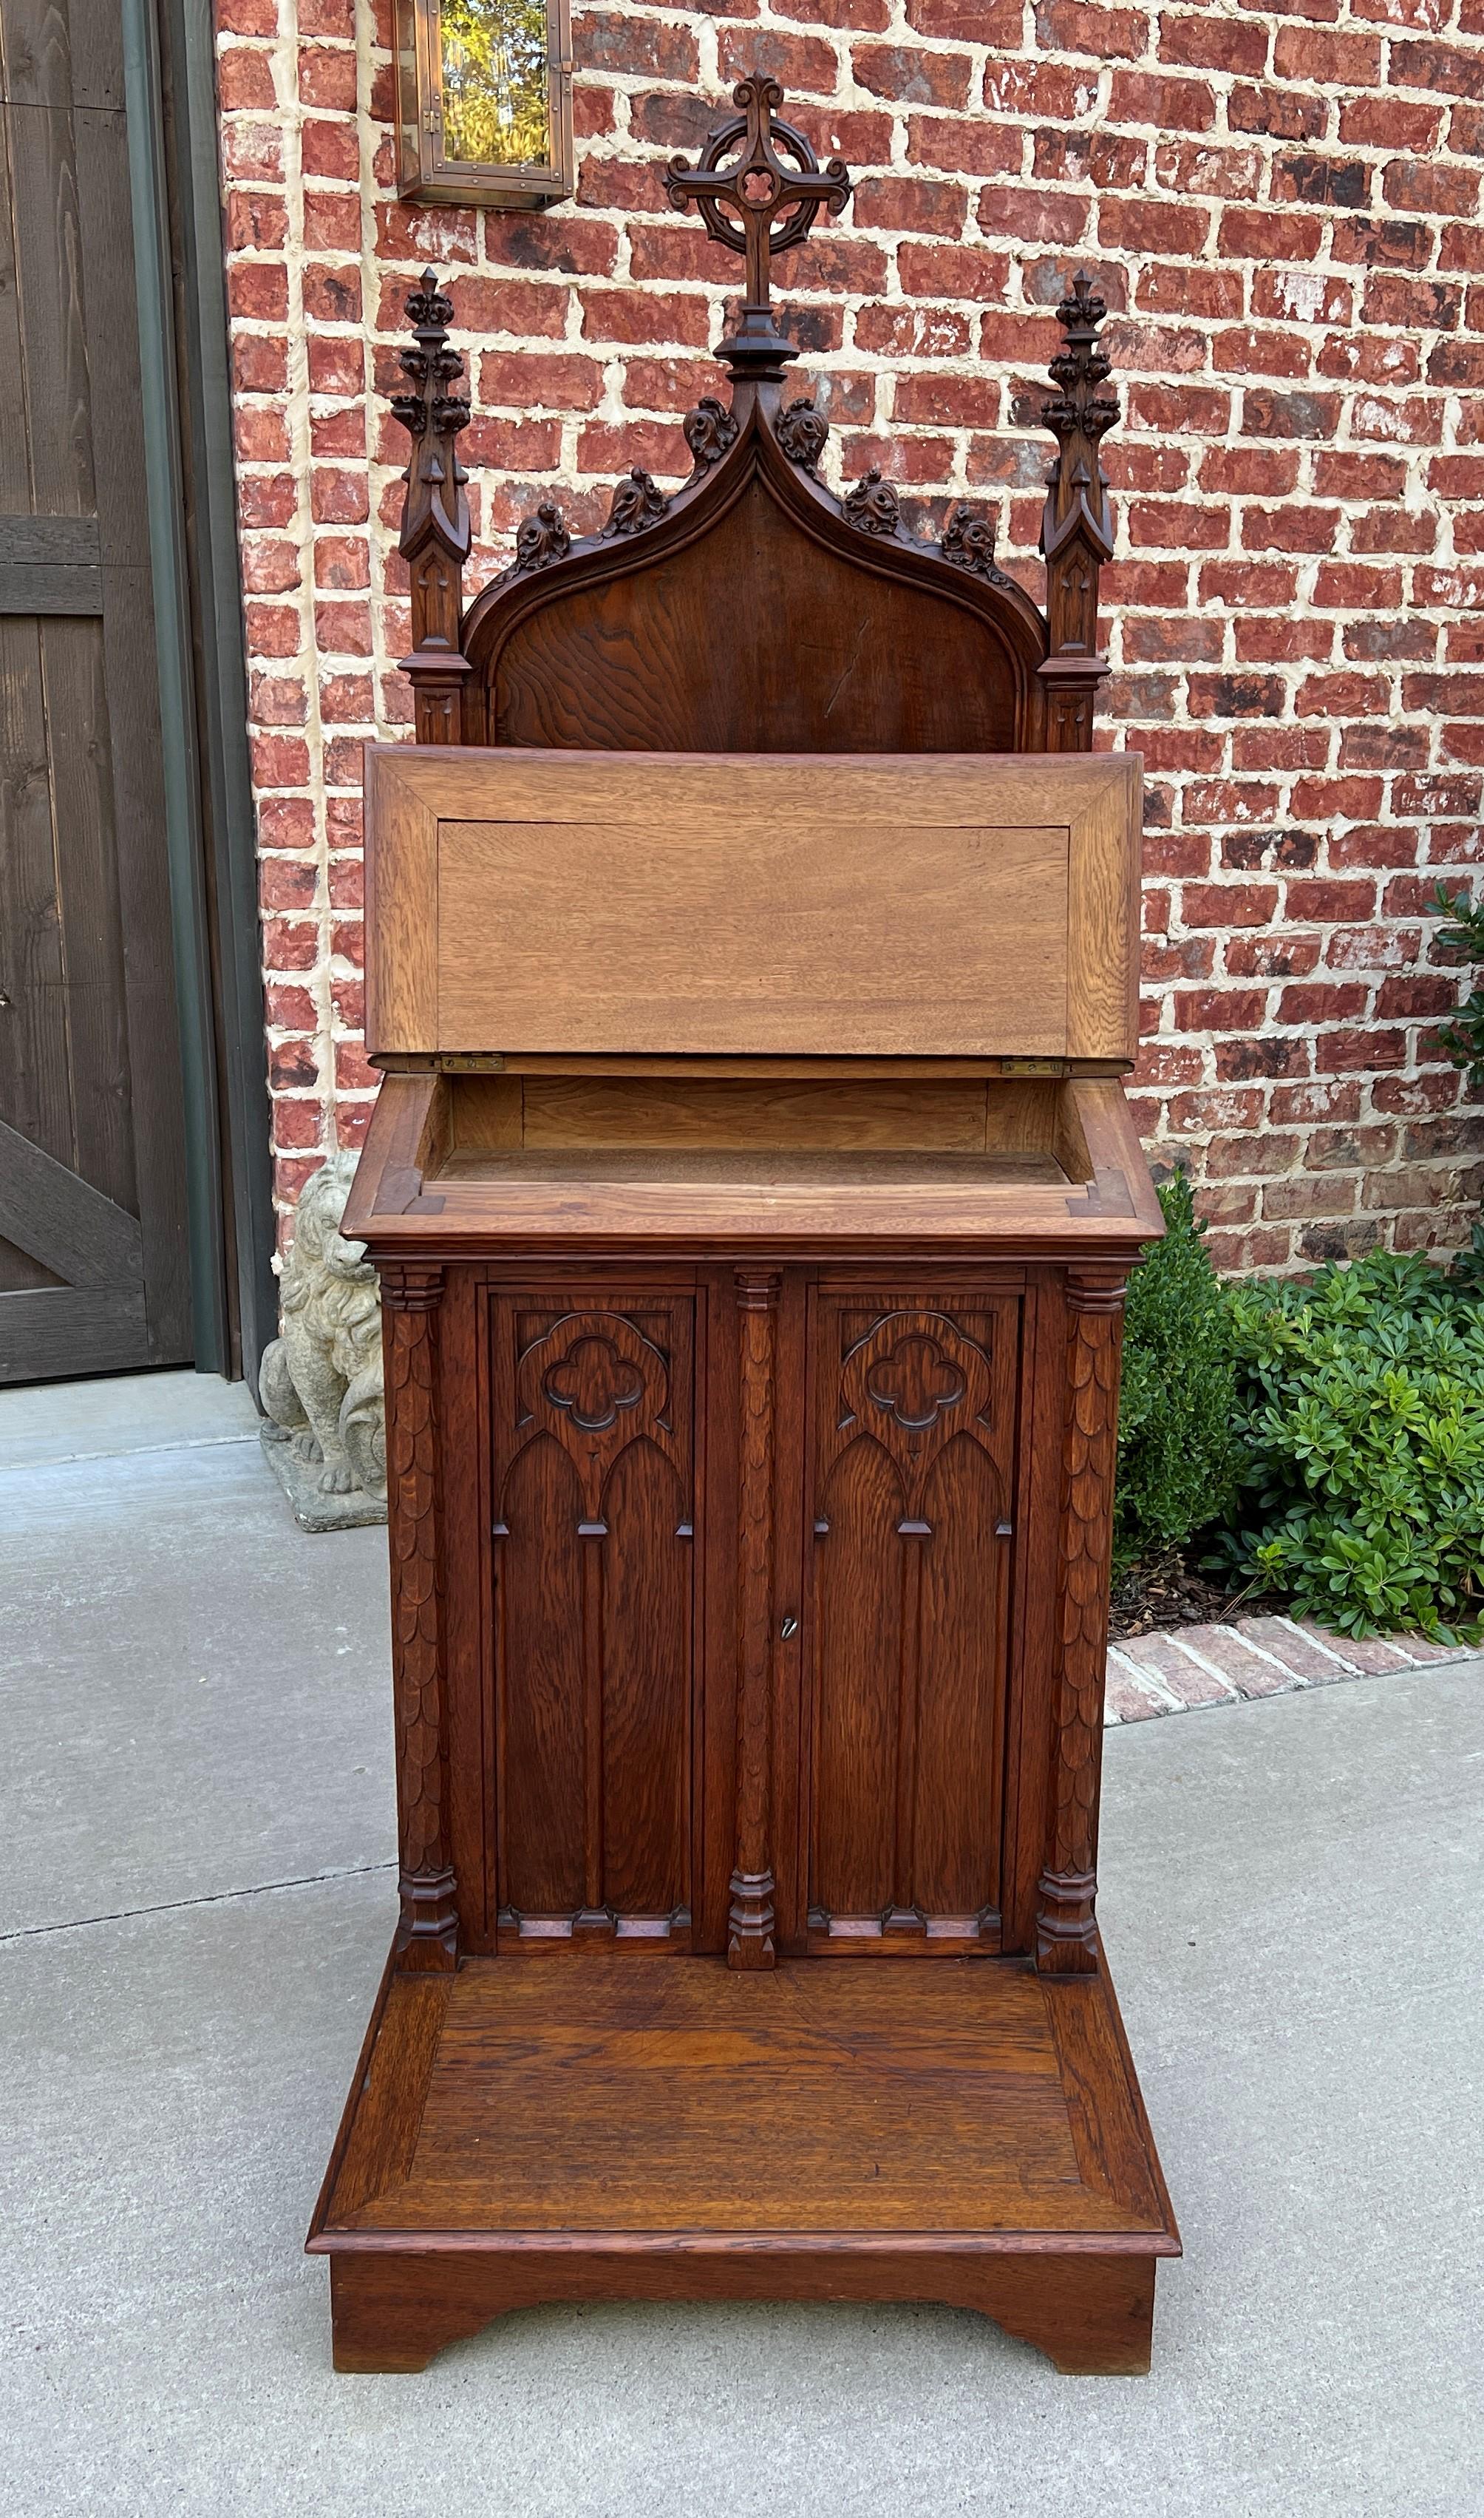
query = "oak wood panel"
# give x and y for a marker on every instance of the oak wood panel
(759, 939)
(914, 1413)
(593, 1574)
(393, 2083)
(561, 1112)
(425, 806)
(639, 664)
(613, 2097)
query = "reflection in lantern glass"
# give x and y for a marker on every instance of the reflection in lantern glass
(494, 57)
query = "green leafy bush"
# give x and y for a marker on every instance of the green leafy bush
(1176, 1468)
(1359, 1415)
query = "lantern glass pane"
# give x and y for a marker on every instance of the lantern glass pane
(494, 82)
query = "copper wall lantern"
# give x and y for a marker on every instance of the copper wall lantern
(485, 101)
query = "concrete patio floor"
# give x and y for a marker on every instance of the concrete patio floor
(196, 1895)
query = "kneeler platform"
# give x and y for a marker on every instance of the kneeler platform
(628, 2127)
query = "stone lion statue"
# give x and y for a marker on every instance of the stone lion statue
(322, 1380)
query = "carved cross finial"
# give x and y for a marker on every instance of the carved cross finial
(758, 203)
(435, 505)
(1076, 523)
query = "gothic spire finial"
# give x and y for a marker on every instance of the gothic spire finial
(1077, 522)
(435, 505)
(435, 537)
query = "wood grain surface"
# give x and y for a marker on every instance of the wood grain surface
(617, 2095)
(656, 903)
(753, 937)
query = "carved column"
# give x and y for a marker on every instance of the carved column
(749, 1921)
(427, 1935)
(435, 537)
(1066, 1931)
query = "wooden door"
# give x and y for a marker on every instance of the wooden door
(93, 1251)
(592, 1401)
(909, 1481)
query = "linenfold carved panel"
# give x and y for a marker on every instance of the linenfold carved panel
(593, 1573)
(913, 1459)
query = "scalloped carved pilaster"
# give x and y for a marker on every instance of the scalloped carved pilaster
(1066, 1928)
(750, 1918)
(872, 506)
(427, 1932)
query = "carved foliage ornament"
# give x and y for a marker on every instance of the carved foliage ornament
(637, 505)
(872, 506)
(708, 430)
(542, 539)
(968, 541)
(802, 431)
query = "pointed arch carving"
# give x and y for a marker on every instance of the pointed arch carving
(594, 1577)
(750, 611)
(908, 1625)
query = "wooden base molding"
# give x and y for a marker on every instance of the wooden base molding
(393, 2310)
(965, 2133)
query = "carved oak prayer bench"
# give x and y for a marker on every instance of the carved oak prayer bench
(751, 946)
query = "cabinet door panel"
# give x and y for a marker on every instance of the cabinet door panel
(859, 1665)
(594, 1576)
(538, 1575)
(911, 1476)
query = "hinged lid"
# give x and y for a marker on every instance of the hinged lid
(643, 904)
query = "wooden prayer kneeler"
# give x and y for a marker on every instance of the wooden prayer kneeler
(751, 961)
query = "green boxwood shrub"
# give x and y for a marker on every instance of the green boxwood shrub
(1360, 1417)
(1176, 1466)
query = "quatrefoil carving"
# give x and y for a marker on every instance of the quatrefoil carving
(594, 1383)
(913, 1384)
(597, 1384)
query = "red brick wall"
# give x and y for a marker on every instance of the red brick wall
(1283, 207)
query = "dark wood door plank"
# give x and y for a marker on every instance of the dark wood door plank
(72, 1228)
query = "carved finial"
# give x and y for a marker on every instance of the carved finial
(433, 416)
(1076, 510)
(755, 203)
(803, 433)
(435, 533)
(872, 506)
